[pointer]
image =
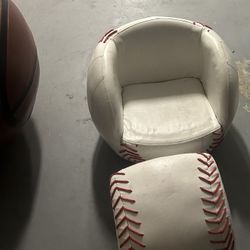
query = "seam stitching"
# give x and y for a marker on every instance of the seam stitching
(217, 138)
(108, 35)
(129, 153)
(216, 214)
(127, 226)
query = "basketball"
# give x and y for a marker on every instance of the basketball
(19, 70)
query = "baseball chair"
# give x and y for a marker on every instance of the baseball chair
(161, 86)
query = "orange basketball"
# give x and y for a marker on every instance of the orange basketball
(19, 69)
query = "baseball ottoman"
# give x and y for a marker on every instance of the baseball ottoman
(172, 203)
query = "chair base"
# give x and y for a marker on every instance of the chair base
(137, 153)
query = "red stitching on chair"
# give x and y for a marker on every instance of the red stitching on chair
(217, 218)
(132, 156)
(218, 137)
(203, 25)
(109, 35)
(129, 153)
(105, 35)
(127, 147)
(136, 158)
(127, 225)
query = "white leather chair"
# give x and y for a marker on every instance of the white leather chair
(161, 86)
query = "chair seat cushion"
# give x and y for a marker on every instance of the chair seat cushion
(167, 113)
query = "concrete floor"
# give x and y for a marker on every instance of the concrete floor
(54, 180)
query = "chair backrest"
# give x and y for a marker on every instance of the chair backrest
(158, 50)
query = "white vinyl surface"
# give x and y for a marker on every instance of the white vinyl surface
(167, 113)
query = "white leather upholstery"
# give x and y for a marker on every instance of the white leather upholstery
(155, 113)
(171, 203)
(154, 55)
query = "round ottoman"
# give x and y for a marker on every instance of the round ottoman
(162, 86)
(172, 203)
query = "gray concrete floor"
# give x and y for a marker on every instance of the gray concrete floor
(54, 180)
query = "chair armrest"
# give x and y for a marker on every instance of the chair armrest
(104, 94)
(219, 77)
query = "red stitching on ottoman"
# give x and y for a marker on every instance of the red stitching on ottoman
(122, 209)
(215, 210)
(118, 181)
(212, 192)
(118, 189)
(128, 228)
(123, 199)
(130, 238)
(118, 173)
(125, 216)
